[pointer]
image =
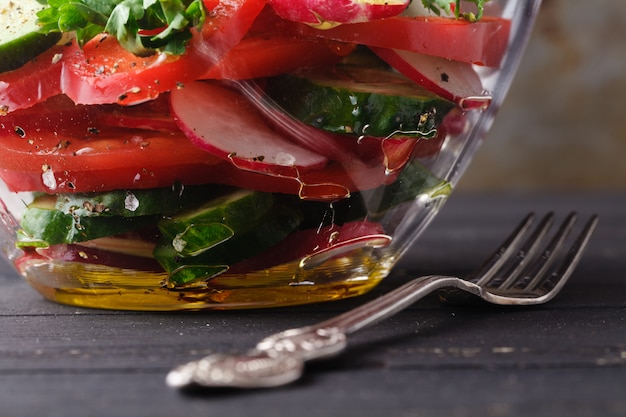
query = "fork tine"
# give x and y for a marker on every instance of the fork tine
(537, 274)
(527, 252)
(558, 278)
(485, 273)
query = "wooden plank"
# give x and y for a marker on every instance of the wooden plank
(328, 393)
(566, 357)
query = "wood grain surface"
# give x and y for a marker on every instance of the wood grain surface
(565, 358)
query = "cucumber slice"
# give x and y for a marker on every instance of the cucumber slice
(133, 203)
(20, 40)
(73, 218)
(360, 101)
(40, 227)
(267, 231)
(193, 232)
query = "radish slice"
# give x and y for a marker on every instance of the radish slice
(86, 255)
(349, 150)
(328, 13)
(454, 80)
(309, 137)
(224, 123)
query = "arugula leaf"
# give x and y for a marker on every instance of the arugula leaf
(445, 6)
(141, 26)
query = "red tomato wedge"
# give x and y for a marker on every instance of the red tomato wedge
(32, 83)
(482, 43)
(104, 72)
(261, 55)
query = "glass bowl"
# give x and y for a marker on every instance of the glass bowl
(285, 157)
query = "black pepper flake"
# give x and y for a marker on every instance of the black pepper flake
(20, 132)
(445, 77)
(93, 130)
(64, 143)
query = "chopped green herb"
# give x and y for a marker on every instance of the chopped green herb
(445, 6)
(141, 26)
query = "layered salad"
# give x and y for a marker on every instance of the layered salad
(181, 154)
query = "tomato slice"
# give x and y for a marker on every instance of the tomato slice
(159, 161)
(153, 115)
(32, 83)
(262, 55)
(482, 43)
(57, 146)
(104, 72)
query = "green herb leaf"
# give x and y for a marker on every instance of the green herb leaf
(440, 7)
(141, 26)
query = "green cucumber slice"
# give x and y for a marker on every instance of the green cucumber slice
(267, 231)
(40, 227)
(133, 203)
(195, 231)
(20, 40)
(73, 218)
(360, 101)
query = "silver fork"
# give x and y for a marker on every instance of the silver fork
(522, 271)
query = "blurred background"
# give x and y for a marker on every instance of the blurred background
(563, 124)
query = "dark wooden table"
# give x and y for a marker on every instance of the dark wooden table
(565, 358)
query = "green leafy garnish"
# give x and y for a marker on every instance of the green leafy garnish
(444, 6)
(141, 26)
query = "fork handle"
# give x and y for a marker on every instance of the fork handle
(328, 338)
(393, 302)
